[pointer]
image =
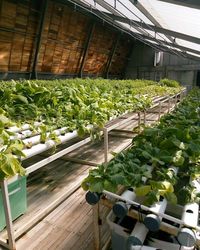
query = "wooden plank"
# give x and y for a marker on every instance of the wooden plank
(96, 227)
(76, 160)
(60, 238)
(41, 214)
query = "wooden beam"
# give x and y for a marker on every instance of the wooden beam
(114, 48)
(87, 45)
(43, 12)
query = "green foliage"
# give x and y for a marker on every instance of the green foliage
(10, 150)
(174, 142)
(169, 83)
(73, 104)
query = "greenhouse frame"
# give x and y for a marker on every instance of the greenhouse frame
(99, 124)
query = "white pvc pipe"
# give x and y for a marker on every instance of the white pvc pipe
(145, 208)
(152, 221)
(190, 214)
(143, 248)
(24, 134)
(137, 236)
(190, 217)
(39, 148)
(16, 129)
(56, 156)
(36, 139)
(121, 208)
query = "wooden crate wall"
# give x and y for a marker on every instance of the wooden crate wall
(63, 40)
(99, 51)
(18, 27)
(120, 58)
(62, 43)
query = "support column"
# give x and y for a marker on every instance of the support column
(87, 45)
(43, 12)
(112, 55)
(105, 133)
(7, 211)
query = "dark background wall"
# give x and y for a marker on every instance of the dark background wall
(141, 65)
(71, 43)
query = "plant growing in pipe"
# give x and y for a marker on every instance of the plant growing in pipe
(152, 221)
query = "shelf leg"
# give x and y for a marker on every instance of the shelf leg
(181, 95)
(139, 119)
(96, 227)
(159, 114)
(168, 104)
(144, 117)
(9, 224)
(176, 99)
(105, 132)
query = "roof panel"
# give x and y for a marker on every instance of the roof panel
(162, 13)
(176, 17)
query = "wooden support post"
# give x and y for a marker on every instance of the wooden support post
(87, 45)
(105, 133)
(9, 225)
(112, 55)
(43, 12)
(139, 119)
(160, 107)
(176, 99)
(169, 104)
(96, 228)
(145, 117)
(181, 96)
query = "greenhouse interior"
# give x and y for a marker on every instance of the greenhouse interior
(99, 124)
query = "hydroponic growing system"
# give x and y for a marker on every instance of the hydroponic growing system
(39, 116)
(159, 179)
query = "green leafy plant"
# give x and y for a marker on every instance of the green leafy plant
(73, 104)
(173, 143)
(169, 83)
